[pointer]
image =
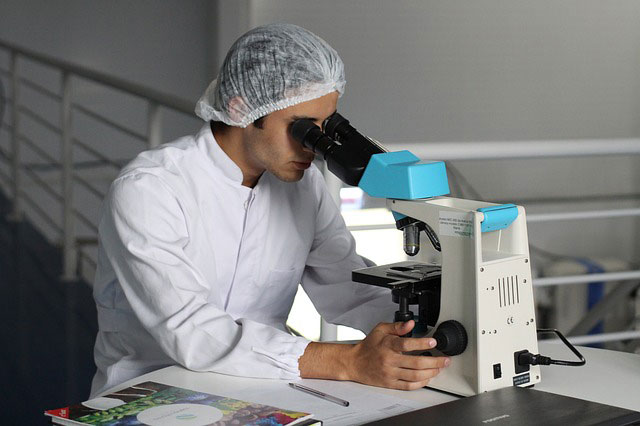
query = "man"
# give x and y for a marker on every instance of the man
(204, 240)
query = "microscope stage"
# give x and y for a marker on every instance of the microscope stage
(397, 275)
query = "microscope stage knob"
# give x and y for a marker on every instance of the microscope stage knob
(451, 337)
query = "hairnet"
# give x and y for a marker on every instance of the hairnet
(270, 68)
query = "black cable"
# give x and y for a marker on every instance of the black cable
(527, 358)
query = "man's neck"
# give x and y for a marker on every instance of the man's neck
(231, 142)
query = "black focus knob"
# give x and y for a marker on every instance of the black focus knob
(451, 337)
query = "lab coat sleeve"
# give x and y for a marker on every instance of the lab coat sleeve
(143, 231)
(327, 276)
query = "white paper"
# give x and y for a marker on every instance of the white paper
(366, 404)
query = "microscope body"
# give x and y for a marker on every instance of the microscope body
(478, 301)
(486, 286)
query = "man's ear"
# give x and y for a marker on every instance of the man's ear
(237, 109)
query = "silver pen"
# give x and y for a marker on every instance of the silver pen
(320, 394)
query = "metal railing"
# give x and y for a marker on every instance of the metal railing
(66, 228)
(156, 102)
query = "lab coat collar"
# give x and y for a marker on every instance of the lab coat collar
(221, 161)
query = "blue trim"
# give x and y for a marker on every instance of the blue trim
(397, 216)
(402, 175)
(498, 217)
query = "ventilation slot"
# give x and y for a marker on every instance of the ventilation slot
(508, 291)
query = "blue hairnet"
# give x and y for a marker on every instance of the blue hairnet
(270, 68)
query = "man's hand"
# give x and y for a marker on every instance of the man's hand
(378, 360)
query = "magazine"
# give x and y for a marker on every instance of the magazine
(156, 404)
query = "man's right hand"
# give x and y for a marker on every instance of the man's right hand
(380, 359)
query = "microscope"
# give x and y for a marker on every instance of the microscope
(477, 301)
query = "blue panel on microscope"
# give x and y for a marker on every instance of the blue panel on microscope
(402, 175)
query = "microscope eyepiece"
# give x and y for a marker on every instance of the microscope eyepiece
(310, 136)
(346, 151)
(331, 124)
(338, 128)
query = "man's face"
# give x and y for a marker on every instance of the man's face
(272, 147)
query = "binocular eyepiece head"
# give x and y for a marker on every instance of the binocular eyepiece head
(319, 140)
(346, 151)
(311, 136)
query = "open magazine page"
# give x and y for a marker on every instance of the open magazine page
(153, 403)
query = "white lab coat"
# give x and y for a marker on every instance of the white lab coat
(196, 269)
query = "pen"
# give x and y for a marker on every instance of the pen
(320, 394)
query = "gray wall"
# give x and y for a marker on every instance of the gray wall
(168, 45)
(417, 71)
(498, 70)
(426, 70)
(481, 70)
(163, 44)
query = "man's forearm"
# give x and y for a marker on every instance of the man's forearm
(381, 359)
(326, 361)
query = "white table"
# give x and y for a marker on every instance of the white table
(609, 377)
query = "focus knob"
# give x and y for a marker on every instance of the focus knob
(451, 337)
